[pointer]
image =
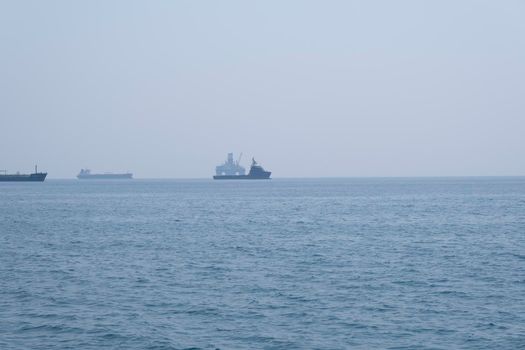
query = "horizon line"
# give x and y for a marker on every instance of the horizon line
(312, 177)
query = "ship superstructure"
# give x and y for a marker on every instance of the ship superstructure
(230, 167)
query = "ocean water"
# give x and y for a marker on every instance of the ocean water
(436, 263)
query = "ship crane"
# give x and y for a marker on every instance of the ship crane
(239, 160)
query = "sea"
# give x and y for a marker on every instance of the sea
(343, 263)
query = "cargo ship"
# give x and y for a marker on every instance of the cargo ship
(231, 170)
(34, 177)
(85, 174)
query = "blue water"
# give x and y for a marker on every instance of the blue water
(281, 264)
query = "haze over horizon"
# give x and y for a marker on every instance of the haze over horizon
(309, 88)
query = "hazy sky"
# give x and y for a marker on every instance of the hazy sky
(310, 88)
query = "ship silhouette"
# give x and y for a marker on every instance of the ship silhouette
(34, 177)
(86, 174)
(231, 170)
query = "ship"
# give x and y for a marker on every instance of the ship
(85, 174)
(231, 170)
(34, 177)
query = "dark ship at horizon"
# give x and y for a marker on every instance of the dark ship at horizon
(34, 177)
(231, 170)
(85, 174)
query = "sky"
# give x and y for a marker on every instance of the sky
(309, 88)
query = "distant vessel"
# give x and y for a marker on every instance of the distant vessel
(231, 170)
(85, 174)
(36, 176)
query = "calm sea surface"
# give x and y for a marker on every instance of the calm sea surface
(281, 264)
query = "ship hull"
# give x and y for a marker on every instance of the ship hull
(105, 177)
(264, 176)
(38, 177)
